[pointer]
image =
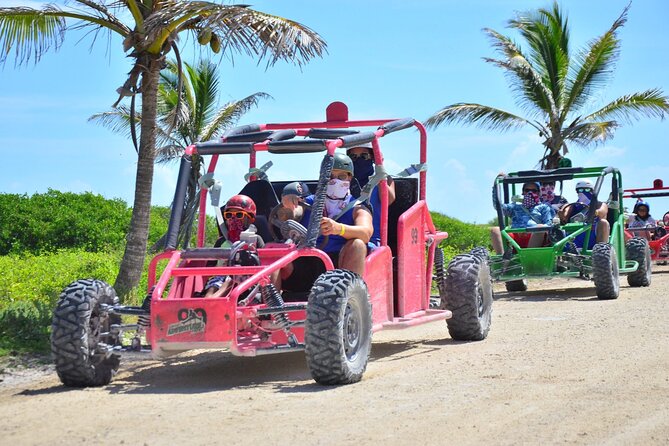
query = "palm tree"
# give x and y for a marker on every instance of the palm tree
(187, 113)
(555, 87)
(152, 31)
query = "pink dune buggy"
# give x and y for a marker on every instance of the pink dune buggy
(657, 234)
(334, 317)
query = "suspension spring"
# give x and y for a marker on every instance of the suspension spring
(144, 321)
(272, 298)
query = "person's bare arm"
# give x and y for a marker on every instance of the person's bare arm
(362, 227)
(603, 211)
(391, 191)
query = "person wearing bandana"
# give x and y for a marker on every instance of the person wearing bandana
(548, 196)
(531, 212)
(347, 234)
(363, 168)
(641, 219)
(578, 212)
(238, 215)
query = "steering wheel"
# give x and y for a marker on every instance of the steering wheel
(292, 230)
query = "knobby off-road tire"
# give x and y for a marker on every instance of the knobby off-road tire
(77, 343)
(338, 330)
(605, 271)
(467, 292)
(516, 285)
(637, 249)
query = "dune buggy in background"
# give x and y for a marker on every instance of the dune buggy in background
(332, 320)
(659, 238)
(561, 256)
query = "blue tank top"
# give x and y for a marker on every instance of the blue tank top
(335, 242)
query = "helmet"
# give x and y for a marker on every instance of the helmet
(639, 204)
(343, 162)
(296, 188)
(585, 183)
(243, 203)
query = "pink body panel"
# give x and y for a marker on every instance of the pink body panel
(411, 262)
(379, 279)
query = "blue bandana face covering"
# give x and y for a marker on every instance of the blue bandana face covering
(585, 197)
(362, 170)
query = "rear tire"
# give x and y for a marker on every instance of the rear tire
(637, 249)
(605, 271)
(81, 353)
(338, 330)
(516, 285)
(467, 293)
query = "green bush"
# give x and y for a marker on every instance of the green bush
(24, 326)
(461, 236)
(56, 220)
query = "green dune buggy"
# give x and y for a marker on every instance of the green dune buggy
(567, 249)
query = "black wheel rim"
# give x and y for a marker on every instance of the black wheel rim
(352, 330)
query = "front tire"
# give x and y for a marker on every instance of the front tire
(467, 292)
(81, 350)
(637, 249)
(338, 330)
(605, 271)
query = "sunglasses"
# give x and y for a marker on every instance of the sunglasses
(235, 214)
(363, 156)
(341, 176)
(581, 190)
(530, 190)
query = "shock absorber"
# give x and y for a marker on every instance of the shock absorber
(144, 321)
(272, 298)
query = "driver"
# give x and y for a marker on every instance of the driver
(347, 234)
(641, 219)
(578, 211)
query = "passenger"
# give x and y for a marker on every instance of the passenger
(578, 212)
(363, 168)
(530, 213)
(348, 234)
(238, 215)
(293, 205)
(548, 196)
(642, 219)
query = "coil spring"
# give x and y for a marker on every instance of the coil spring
(272, 298)
(144, 320)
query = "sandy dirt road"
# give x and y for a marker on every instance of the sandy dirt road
(559, 367)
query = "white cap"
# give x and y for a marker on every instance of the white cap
(585, 183)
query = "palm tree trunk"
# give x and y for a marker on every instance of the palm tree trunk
(135, 250)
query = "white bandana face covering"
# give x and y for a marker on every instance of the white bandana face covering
(337, 189)
(334, 207)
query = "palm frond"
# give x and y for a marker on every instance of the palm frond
(633, 107)
(116, 120)
(593, 66)
(168, 153)
(229, 114)
(479, 115)
(28, 33)
(548, 38)
(590, 133)
(240, 29)
(532, 93)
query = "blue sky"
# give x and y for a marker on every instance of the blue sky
(386, 59)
